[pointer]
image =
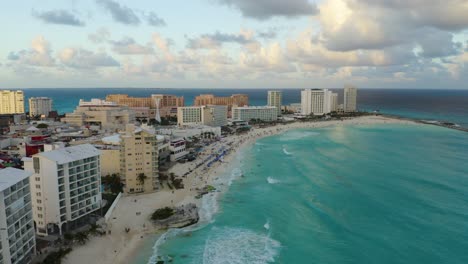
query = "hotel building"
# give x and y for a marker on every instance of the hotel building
(11, 102)
(65, 187)
(333, 102)
(275, 98)
(247, 113)
(106, 115)
(229, 101)
(139, 160)
(350, 96)
(209, 115)
(167, 104)
(17, 242)
(39, 106)
(316, 101)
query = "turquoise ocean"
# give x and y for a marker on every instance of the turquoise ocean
(342, 194)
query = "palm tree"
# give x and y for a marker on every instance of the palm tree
(141, 178)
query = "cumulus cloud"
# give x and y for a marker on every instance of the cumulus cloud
(120, 13)
(129, 46)
(59, 16)
(154, 20)
(265, 9)
(85, 59)
(38, 55)
(364, 24)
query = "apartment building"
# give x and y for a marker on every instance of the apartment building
(139, 160)
(350, 97)
(39, 106)
(11, 102)
(17, 240)
(229, 101)
(275, 98)
(65, 187)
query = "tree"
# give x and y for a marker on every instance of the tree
(141, 178)
(162, 213)
(42, 125)
(81, 237)
(113, 182)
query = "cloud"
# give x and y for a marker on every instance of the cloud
(128, 46)
(60, 17)
(85, 59)
(38, 55)
(364, 24)
(120, 13)
(216, 40)
(268, 34)
(154, 20)
(102, 35)
(265, 9)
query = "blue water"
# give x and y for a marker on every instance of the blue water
(344, 194)
(447, 105)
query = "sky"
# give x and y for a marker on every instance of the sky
(234, 44)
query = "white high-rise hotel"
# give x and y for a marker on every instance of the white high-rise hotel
(350, 95)
(65, 187)
(17, 243)
(11, 102)
(40, 106)
(318, 101)
(275, 99)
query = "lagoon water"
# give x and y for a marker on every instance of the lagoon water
(344, 194)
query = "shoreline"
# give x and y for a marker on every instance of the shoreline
(133, 211)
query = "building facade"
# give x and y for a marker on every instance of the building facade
(334, 102)
(65, 187)
(229, 101)
(350, 97)
(248, 113)
(209, 115)
(139, 160)
(17, 240)
(275, 98)
(11, 102)
(106, 115)
(316, 101)
(39, 106)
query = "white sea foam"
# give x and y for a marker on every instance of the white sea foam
(271, 180)
(239, 246)
(287, 152)
(208, 209)
(267, 225)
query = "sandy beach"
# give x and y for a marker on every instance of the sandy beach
(134, 211)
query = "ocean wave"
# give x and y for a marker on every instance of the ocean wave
(267, 225)
(286, 152)
(239, 246)
(208, 209)
(296, 135)
(271, 180)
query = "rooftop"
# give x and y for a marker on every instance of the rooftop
(69, 154)
(11, 176)
(255, 107)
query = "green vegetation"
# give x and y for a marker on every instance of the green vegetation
(57, 257)
(141, 178)
(162, 213)
(112, 183)
(42, 125)
(210, 188)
